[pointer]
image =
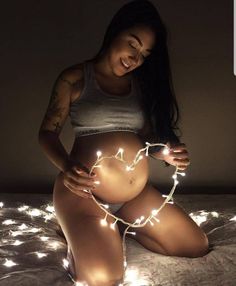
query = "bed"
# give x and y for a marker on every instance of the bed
(33, 252)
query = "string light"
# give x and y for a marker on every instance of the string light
(139, 222)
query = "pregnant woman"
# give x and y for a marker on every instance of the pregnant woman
(122, 97)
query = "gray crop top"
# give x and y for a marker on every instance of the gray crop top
(96, 111)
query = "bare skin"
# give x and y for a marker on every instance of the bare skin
(97, 252)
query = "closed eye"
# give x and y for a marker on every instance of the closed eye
(135, 49)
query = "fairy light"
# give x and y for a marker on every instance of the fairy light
(50, 209)
(215, 214)
(34, 212)
(18, 242)
(139, 222)
(152, 219)
(23, 208)
(44, 238)
(9, 221)
(9, 263)
(65, 263)
(233, 218)
(41, 255)
(22, 226)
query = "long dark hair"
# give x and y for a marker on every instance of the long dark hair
(154, 75)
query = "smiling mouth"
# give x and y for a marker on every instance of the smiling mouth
(124, 64)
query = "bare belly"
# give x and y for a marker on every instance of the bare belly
(116, 183)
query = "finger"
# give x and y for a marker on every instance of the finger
(89, 182)
(81, 185)
(180, 155)
(82, 168)
(184, 161)
(178, 147)
(182, 167)
(80, 171)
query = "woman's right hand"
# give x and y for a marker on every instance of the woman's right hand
(77, 179)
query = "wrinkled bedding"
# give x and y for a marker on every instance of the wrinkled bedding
(32, 252)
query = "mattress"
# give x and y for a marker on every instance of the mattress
(32, 251)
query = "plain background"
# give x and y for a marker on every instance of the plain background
(41, 38)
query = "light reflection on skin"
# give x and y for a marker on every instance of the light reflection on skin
(49, 213)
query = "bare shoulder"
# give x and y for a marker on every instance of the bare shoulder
(66, 88)
(73, 74)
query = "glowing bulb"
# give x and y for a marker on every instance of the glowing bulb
(34, 212)
(154, 212)
(18, 242)
(15, 233)
(9, 221)
(233, 218)
(65, 263)
(54, 244)
(99, 153)
(40, 255)
(131, 232)
(22, 226)
(215, 214)
(34, 229)
(128, 168)
(23, 208)
(97, 182)
(105, 206)
(1, 204)
(44, 238)
(103, 222)
(182, 174)
(121, 150)
(77, 283)
(9, 263)
(112, 226)
(50, 209)
(48, 216)
(165, 151)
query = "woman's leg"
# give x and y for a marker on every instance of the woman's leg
(96, 250)
(176, 234)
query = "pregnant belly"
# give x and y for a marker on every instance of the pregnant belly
(116, 183)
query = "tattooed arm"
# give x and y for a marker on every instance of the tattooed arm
(54, 119)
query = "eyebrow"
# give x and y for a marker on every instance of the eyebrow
(137, 38)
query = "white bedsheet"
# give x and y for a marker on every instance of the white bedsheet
(29, 239)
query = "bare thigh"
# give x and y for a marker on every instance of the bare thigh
(96, 250)
(176, 234)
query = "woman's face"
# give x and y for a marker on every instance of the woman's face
(130, 48)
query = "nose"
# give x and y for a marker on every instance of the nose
(135, 58)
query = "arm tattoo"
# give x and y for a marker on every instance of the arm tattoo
(54, 112)
(67, 81)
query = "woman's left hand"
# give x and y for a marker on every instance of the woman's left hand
(178, 156)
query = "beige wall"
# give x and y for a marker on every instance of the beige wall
(40, 38)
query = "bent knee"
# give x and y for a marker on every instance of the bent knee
(193, 249)
(201, 249)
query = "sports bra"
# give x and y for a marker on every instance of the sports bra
(96, 111)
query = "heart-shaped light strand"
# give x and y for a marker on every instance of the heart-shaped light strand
(139, 222)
